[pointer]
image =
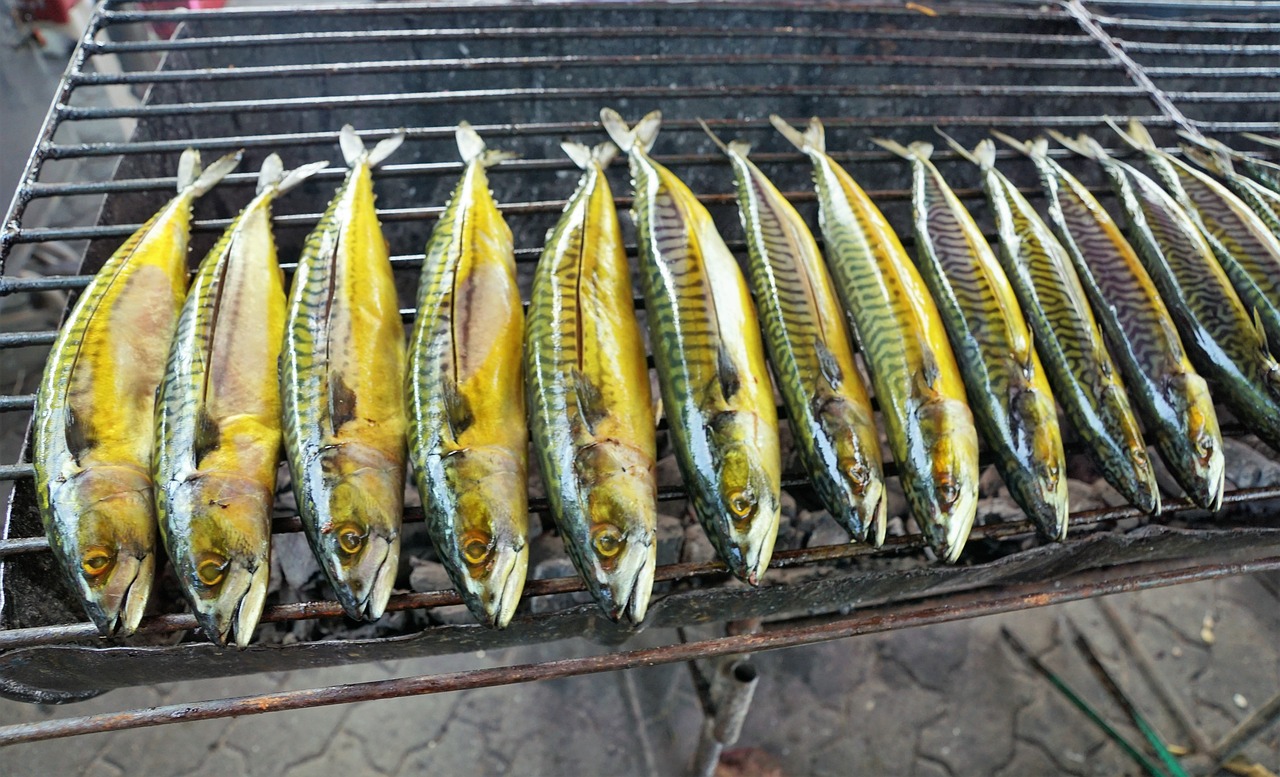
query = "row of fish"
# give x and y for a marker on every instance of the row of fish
(965, 340)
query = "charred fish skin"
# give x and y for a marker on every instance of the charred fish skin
(913, 370)
(710, 359)
(1226, 345)
(468, 433)
(1172, 398)
(1081, 370)
(217, 441)
(828, 406)
(341, 376)
(92, 466)
(1008, 389)
(1241, 241)
(587, 390)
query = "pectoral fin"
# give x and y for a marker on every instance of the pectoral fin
(590, 401)
(208, 435)
(727, 374)
(342, 402)
(457, 411)
(828, 364)
(78, 435)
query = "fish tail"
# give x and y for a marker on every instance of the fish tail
(741, 147)
(584, 156)
(1208, 159)
(271, 172)
(1264, 140)
(813, 138)
(1136, 136)
(299, 174)
(1083, 145)
(471, 147)
(917, 150)
(983, 155)
(642, 135)
(354, 152)
(192, 179)
(1036, 149)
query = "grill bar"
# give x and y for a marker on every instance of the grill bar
(869, 621)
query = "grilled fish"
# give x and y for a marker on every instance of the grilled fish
(1225, 344)
(711, 369)
(95, 405)
(1264, 172)
(587, 388)
(217, 440)
(1081, 371)
(468, 435)
(913, 369)
(1008, 390)
(1220, 160)
(1241, 241)
(829, 410)
(341, 375)
(1171, 397)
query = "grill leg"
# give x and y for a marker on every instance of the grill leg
(731, 690)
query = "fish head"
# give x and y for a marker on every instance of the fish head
(1203, 460)
(358, 543)
(859, 481)
(488, 553)
(617, 550)
(1041, 482)
(220, 547)
(744, 525)
(103, 529)
(943, 488)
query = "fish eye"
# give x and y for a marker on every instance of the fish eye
(351, 538)
(476, 547)
(211, 569)
(742, 503)
(948, 491)
(96, 560)
(607, 540)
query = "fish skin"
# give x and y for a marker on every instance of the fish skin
(707, 347)
(828, 407)
(1081, 370)
(92, 467)
(1220, 160)
(913, 370)
(341, 378)
(1008, 388)
(217, 439)
(1241, 241)
(1224, 343)
(468, 432)
(1171, 397)
(587, 389)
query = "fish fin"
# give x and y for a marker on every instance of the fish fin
(215, 172)
(916, 150)
(828, 364)
(352, 145)
(1261, 330)
(740, 147)
(342, 402)
(298, 175)
(78, 435)
(386, 147)
(983, 155)
(188, 168)
(925, 378)
(812, 139)
(271, 172)
(628, 138)
(658, 409)
(1214, 162)
(1264, 140)
(1137, 136)
(457, 410)
(207, 435)
(727, 374)
(590, 401)
(578, 152)
(471, 147)
(604, 153)
(1021, 146)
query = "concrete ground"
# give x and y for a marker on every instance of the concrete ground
(950, 699)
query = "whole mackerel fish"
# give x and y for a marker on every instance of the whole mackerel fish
(341, 378)
(217, 436)
(1226, 344)
(711, 369)
(468, 434)
(1083, 375)
(913, 369)
(1008, 389)
(95, 407)
(1241, 241)
(587, 388)
(830, 413)
(1172, 399)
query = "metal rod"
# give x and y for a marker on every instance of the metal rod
(870, 621)
(1258, 721)
(731, 694)
(15, 402)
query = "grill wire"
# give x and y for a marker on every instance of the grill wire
(276, 79)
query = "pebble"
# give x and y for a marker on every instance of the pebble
(1240, 701)
(697, 548)
(297, 563)
(825, 530)
(670, 537)
(431, 576)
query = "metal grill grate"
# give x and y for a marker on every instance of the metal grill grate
(285, 79)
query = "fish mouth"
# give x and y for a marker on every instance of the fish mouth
(118, 609)
(367, 587)
(233, 615)
(500, 593)
(630, 588)
(956, 525)
(876, 519)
